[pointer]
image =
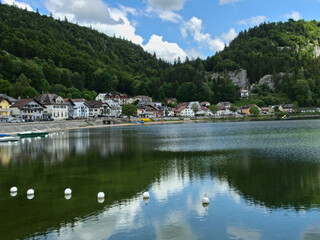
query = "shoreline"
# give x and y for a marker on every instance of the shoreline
(63, 125)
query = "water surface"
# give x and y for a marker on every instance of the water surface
(262, 178)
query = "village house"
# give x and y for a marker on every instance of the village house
(11, 99)
(111, 108)
(120, 98)
(246, 109)
(56, 107)
(95, 108)
(266, 110)
(81, 108)
(172, 100)
(28, 109)
(244, 93)
(142, 98)
(227, 105)
(4, 109)
(183, 110)
(148, 110)
(101, 96)
(70, 107)
(286, 108)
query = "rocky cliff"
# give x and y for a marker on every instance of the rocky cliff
(238, 77)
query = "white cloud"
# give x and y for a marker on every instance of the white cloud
(253, 21)
(294, 15)
(18, 4)
(229, 36)
(94, 11)
(164, 49)
(194, 27)
(165, 15)
(114, 21)
(173, 5)
(223, 2)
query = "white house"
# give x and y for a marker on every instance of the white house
(56, 107)
(81, 108)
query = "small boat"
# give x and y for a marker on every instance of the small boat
(34, 133)
(8, 138)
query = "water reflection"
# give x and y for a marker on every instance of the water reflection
(256, 191)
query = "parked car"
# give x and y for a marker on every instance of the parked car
(16, 120)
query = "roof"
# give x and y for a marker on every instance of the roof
(49, 99)
(141, 96)
(287, 105)
(224, 103)
(78, 100)
(22, 102)
(11, 99)
(4, 98)
(94, 104)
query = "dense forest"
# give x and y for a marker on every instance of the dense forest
(40, 54)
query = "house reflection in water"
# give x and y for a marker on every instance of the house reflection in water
(5, 154)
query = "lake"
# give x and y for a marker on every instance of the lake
(262, 179)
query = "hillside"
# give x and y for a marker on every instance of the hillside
(51, 52)
(40, 54)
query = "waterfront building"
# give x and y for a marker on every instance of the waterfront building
(80, 108)
(56, 107)
(28, 109)
(4, 109)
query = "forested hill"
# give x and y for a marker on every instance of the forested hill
(51, 52)
(40, 54)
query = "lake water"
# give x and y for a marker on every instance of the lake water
(262, 179)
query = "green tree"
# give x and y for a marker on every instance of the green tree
(214, 108)
(23, 89)
(195, 108)
(187, 92)
(233, 108)
(5, 86)
(254, 110)
(129, 110)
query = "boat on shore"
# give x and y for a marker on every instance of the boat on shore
(8, 138)
(35, 133)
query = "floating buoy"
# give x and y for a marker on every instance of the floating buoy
(13, 189)
(100, 200)
(30, 192)
(67, 196)
(31, 196)
(100, 195)
(146, 195)
(13, 194)
(67, 191)
(205, 199)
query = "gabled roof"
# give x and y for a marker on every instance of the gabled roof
(75, 100)
(94, 104)
(11, 99)
(22, 102)
(3, 98)
(49, 99)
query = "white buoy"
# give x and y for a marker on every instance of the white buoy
(13, 194)
(146, 195)
(67, 191)
(67, 196)
(30, 192)
(13, 189)
(100, 200)
(31, 196)
(100, 195)
(205, 199)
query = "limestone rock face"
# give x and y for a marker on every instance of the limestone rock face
(267, 79)
(238, 77)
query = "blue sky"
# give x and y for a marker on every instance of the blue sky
(172, 28)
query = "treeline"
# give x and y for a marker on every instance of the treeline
(41, 54)
(270, 48)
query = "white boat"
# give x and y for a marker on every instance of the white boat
(8, 138)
